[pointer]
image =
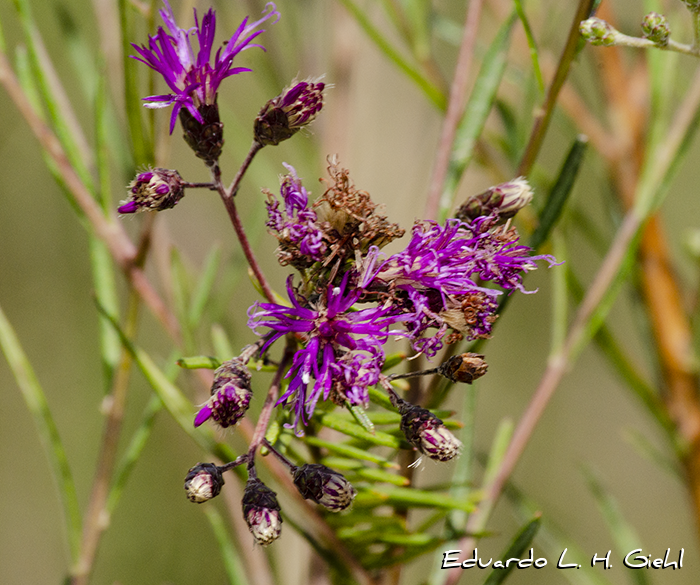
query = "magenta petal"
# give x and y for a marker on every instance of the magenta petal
(129, 207)
(202, 416)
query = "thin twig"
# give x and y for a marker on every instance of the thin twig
(543, 117)
(455, 108)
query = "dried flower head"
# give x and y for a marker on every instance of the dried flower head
(261, 512)
(464, 368)
(324, 486)
(350, 217)
(285, 115)
(153, 190)
(203, 482)
(230, 395)
(191, 75)
(427, 433)
(505, 199)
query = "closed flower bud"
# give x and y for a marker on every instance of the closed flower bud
(464, 368)
(261, 512)
(203, 482)
(693, 5)
(598, 32)
(230, 395)
(285, 115)
(655, 28)
(324, 486)
(506, 199)
(156, 189)
(427, 433)
(205, 139)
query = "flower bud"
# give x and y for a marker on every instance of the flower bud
(203, 482)
(261, 512)
(206, 140)
(156, 189)
(598, 32)
(285, 115)
(230, 395)
(506, 199)
(427, 433)
(693, 5)
(324, 486)
(464, 368)
(655, 28)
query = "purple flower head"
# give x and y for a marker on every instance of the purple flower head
(300, 237)
(342, 348)
(435, 277)
(191, 76)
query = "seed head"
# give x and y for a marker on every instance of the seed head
(464, 368)
(230, 395)
(324, 486)
(655, 27)
(261, 512)
(203, 482)
(507, 199)
(285, 115)
(598, 32)
(155, 189)
(427, 433)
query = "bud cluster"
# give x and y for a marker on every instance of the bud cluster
(655, 27)
(598, 32)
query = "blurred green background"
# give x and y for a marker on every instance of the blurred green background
(385, 132)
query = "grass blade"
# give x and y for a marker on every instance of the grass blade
(531, 43)
(36, 402)
(433, 93)
(473, 120)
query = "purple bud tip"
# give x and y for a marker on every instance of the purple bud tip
(144, 177)
(202, 416)
(129, 207)
(162, 189)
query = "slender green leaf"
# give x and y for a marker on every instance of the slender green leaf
(205, 283)
(65, 124)
(179, 407)
(560, 192)
(345, 450)
(360, 416)
(379, 495)
(649, 451)
(35, 399)
(380, 397)
(531, 43)
(624, 536)
(474, 118)
(433, 93)
(198, 362)
(516, 550)
(342, 425)
(229, 554)
(133, 452)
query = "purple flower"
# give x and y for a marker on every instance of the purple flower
(343, 348)
(301, 239)
(435, 276)
(191, 76)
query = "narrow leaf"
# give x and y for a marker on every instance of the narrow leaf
(35, 400)
(345, 450)
(517, 549)
(474, 119)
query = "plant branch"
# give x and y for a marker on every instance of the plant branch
(455, 108)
